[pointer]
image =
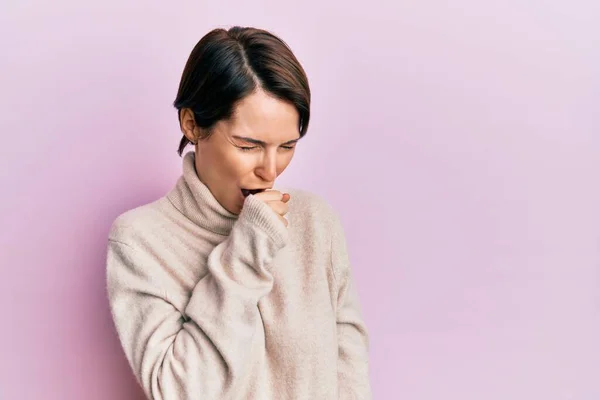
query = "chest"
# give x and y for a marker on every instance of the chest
(298, 314)
(299, 309)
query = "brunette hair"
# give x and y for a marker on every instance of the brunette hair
(227, 65)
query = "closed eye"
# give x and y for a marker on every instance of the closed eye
(249, 148)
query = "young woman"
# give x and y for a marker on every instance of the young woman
(227, 288)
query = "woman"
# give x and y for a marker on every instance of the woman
(227, 288)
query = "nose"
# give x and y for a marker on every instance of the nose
(267, 169)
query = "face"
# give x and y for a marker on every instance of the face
(248, 151)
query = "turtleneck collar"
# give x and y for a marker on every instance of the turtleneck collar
(194, 200)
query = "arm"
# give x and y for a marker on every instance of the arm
(353, 341)
(206, 350)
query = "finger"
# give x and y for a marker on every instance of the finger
(279, 207)
(285, 221)
(269, 195)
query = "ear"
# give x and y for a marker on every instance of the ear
(187, 124)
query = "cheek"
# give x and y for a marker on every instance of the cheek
(283, 161)
(238, 165)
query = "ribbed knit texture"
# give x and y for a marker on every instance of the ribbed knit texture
(212, 305)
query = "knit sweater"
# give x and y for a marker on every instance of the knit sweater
(209, 305)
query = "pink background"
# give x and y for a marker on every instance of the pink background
(459, 141)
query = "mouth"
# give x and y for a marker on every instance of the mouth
(248, 192)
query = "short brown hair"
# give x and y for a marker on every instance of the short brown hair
(227, 65)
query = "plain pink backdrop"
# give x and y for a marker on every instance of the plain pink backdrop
(459, 141)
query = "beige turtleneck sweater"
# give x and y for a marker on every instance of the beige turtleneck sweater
(212, 305)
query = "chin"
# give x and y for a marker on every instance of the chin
(236, 206)
(232, 207)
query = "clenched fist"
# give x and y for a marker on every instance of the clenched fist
(277, 201)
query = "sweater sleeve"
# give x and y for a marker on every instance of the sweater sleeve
(206, 350)
(353, 341)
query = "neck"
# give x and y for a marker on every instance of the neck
(195, 200)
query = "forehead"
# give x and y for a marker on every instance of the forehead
(266, 118)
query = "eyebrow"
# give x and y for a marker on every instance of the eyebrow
(260, 142)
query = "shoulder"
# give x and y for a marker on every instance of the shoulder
(313, 211)
(318, 225)
(309, 203)
(131, 226)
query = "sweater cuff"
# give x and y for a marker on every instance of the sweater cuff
(258, 213)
